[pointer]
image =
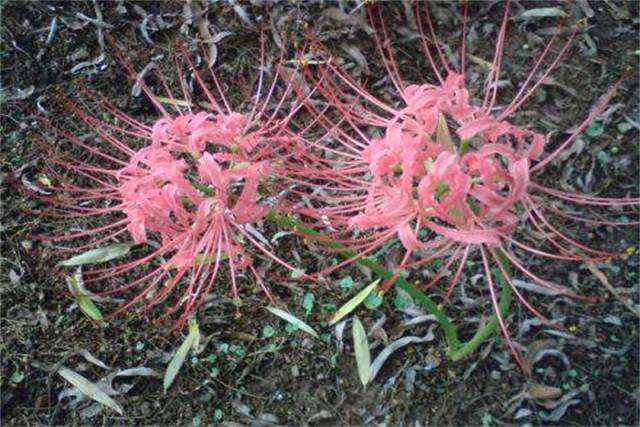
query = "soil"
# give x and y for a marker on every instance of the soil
(254, 369)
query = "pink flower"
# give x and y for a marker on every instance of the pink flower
(188, 190)
(471, 190)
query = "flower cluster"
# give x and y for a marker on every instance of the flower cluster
(418, 172)
(443, 194)
(439, 170)
(191, 214)
(191, 187)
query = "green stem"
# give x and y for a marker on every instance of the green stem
(449, 329)
(456, 349)
(465, 144)
(483, 333)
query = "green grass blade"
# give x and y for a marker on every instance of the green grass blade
(353, 303)
(178, 358)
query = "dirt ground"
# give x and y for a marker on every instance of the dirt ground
(256, 370)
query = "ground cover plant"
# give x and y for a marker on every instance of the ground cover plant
(393, 185)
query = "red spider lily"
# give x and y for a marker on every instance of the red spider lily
(188, 188)
(441, 196)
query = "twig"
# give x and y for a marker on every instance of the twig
(605, 282)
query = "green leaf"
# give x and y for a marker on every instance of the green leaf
(543, 12)
(402, 300)
(346, 283)
(268, 331)
(237, 350)
(90, 389)
(192, 341)
(624, 127)
(363, 354)
(296, 274)
(99, 255)
(307, 302)
(83, 297)
(293, 320)
(373, 300)
(353, 303)
(595, 129)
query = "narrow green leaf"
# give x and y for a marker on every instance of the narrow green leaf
(361, 347)
(543, 12)
(90, 389)
(83, 297)
(353, 303)
(192, 341)
(99, 255)
(183, 103)
(293, 320)
(176, 102)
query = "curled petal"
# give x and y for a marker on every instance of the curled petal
(408, 238)
(475, 237)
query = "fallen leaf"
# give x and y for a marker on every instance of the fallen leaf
(391, 348)
(543, 392)
(178, 358)
(353, 303)
(99, 255)
(355, 20)
(543, 12)
(92, 359)
(89, 389)
(293, 320)
(363, 354)
(76, 287)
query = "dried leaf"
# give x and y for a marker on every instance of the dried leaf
(86, 64)
(176, 102)
(522, 412)
(294, 321)
(92, 359)
(543, 392)
(339, 333)
(349, 19)
(353, 303)
(99, 255)
(532, 287)
(605, 282)
(560, 410)
(90, 389)
(443, 137)
(19, 94)
(361, 347)
(391, 348)
(178, 358)
(141, 371)
(543, 12)
(358, 56)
